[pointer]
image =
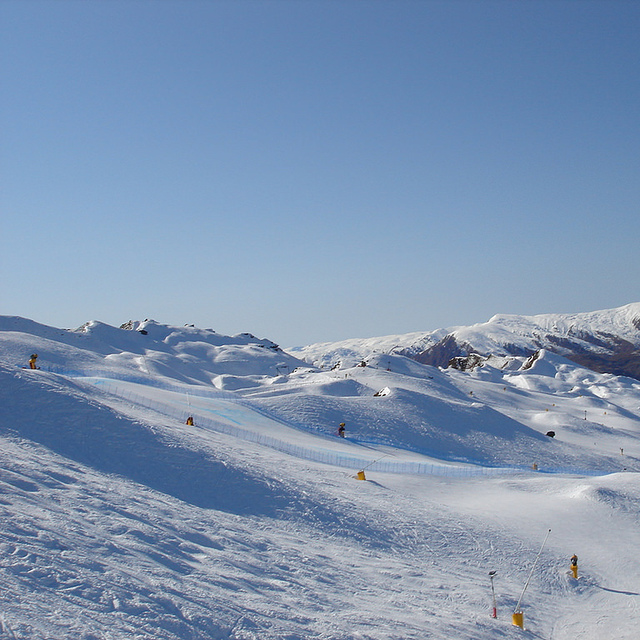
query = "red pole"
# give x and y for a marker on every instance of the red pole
(493, 593)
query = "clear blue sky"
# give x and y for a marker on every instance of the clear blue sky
(317, 170)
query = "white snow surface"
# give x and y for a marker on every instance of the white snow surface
(121, 521)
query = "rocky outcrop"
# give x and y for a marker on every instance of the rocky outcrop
(441, 353)
(466, 363)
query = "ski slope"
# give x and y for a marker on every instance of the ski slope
(121, 521)
(213, 411)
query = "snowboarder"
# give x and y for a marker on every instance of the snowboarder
(341, 430)
(190, 421)
(32, 361)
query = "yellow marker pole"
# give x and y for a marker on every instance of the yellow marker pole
(360, 475)
(517, 619)
(518, 616)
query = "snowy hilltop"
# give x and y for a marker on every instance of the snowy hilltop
(173, 483)
(147, 348)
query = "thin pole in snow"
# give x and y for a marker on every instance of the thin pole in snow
(380, 458)
(517, 609)
(492, 575)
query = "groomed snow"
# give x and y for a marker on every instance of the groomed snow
(121, 521)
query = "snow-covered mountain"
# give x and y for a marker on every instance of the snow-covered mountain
(120, 520)
(606, 341)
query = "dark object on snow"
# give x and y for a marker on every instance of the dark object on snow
(341, 430)
(530, 361)
(144, 332)
(551, 434)
(466, 363)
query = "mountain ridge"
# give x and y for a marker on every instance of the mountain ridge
(606, 341)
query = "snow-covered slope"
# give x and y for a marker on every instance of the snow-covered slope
(143, 349)
(607, 341)
(118, 520)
